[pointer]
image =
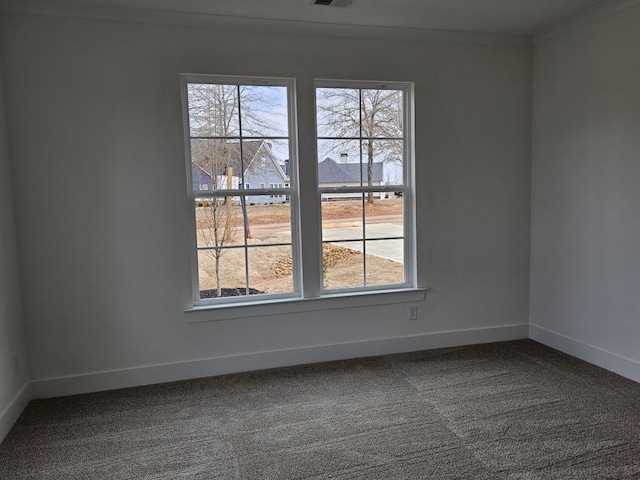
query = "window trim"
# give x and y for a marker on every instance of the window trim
(266, 308)
(292, 191)
(408, 187)
(302, 295)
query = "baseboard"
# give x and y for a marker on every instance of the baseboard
(609, 361)
(9, 416)
(147, 375)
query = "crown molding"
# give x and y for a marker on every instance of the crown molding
(162, 17)
(581, 19)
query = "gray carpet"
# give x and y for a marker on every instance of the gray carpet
(514, 410)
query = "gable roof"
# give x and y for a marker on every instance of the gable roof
(199, 173)
(260, 161)
(330, 171)
(227, 154)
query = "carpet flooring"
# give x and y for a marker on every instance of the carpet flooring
(513, 411)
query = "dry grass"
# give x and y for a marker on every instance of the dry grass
(270, 268)
(280, 213)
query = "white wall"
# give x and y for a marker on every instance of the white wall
(13, 358)
(95, 125)
(586, 193)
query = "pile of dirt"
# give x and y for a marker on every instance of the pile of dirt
(283, 267)
(331, 255)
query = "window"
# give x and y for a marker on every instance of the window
(363, 181)
(239, 133)
(276, 186)
(236, 129)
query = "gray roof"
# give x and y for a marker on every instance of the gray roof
(217, 155)
(330, 171)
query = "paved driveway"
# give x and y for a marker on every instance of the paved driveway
(389, 249)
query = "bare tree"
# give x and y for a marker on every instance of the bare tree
(218, 115)
(214, 111)
(216, 222)
(375, 115)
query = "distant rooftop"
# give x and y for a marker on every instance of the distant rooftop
(330, 171)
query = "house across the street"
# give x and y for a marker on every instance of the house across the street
(346, 174)
(211, 162)
(217, 166)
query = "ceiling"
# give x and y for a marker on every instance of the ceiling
(494, 16)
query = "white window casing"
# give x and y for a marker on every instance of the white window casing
(289, 191)
(239, 194)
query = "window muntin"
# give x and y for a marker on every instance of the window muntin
(239, 134)
(364, 185)
(259, 255)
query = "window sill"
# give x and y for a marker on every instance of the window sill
(265, 308)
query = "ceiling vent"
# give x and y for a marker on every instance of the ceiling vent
(334, 3)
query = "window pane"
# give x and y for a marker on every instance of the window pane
(384, 217)
(213, 110)
(221, 272)
(393, 170)
(270, 269)
(382, 162)
(382, 113)
(342, 265)
(339, 163)
(215, 164)
(338, 112)
(239, 140)
(218, 165)
(268, 219)
(264, 111)
(218, 221)
(266, 162)
(385, 259)
(342, 216)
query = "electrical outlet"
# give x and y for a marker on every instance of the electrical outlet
(412, 312)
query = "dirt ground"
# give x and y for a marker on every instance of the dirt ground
(270, 266)
(280, 213)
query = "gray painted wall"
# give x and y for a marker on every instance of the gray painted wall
(12, 345)
(586, 191)
(94, 106)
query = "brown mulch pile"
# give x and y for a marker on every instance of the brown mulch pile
(283, 267)
(331, 254)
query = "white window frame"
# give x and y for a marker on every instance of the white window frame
(291, 191)
(407, 189)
